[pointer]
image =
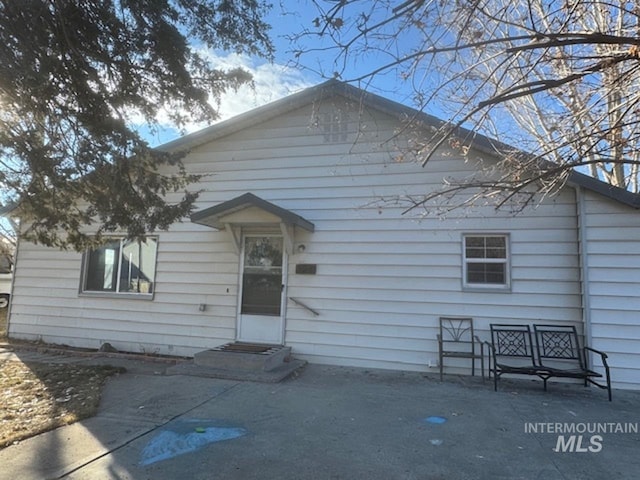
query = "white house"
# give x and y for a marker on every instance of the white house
(288, 246)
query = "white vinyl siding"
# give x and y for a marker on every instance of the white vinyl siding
(613, 270)
(382, 278)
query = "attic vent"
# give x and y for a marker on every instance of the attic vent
(335, 125)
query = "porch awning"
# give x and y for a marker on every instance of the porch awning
(249, 210)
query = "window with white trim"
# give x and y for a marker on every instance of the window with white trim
(486, 261)
(121, 266)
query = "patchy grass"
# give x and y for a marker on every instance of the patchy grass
(39, 397)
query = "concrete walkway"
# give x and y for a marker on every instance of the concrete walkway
(334, 423)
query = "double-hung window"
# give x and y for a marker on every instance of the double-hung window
(121, 266)
(486, 261)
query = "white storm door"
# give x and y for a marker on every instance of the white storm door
(260, 317)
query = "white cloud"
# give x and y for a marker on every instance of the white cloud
(271, 81)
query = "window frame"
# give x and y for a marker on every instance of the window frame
(83, 291)
(484, 287)
(335, 125)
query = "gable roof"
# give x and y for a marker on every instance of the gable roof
(212, 216)
(334, 87)
(287, 104)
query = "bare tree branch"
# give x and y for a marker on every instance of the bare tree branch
(559, 79)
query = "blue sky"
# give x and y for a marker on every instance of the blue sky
(281, 77)
(276, 79)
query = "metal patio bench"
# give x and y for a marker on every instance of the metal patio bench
(556, 352)
(560, 355)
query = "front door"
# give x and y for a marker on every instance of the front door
(260, 316)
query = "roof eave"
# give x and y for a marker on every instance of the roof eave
(249, 118)
(618, 194)
(477, 141)
(249, 199)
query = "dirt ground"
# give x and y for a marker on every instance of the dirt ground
(38, 397)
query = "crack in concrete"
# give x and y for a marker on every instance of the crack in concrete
(66, 473)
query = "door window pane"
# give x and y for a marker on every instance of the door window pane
(262, 276)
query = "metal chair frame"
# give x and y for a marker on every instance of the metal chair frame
(458, 340)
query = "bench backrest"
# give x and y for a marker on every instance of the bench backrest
(558, 345)
(513, 343)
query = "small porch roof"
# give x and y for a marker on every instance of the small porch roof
(228, 213)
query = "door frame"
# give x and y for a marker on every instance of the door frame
(283, 293)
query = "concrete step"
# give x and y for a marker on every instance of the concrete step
(248, 357)
(276, 375)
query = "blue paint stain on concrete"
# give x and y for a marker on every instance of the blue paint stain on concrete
(435, 420)
(178, 438)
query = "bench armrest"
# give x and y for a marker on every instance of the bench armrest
(603, 356)
(491, 350)
(607, 373)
